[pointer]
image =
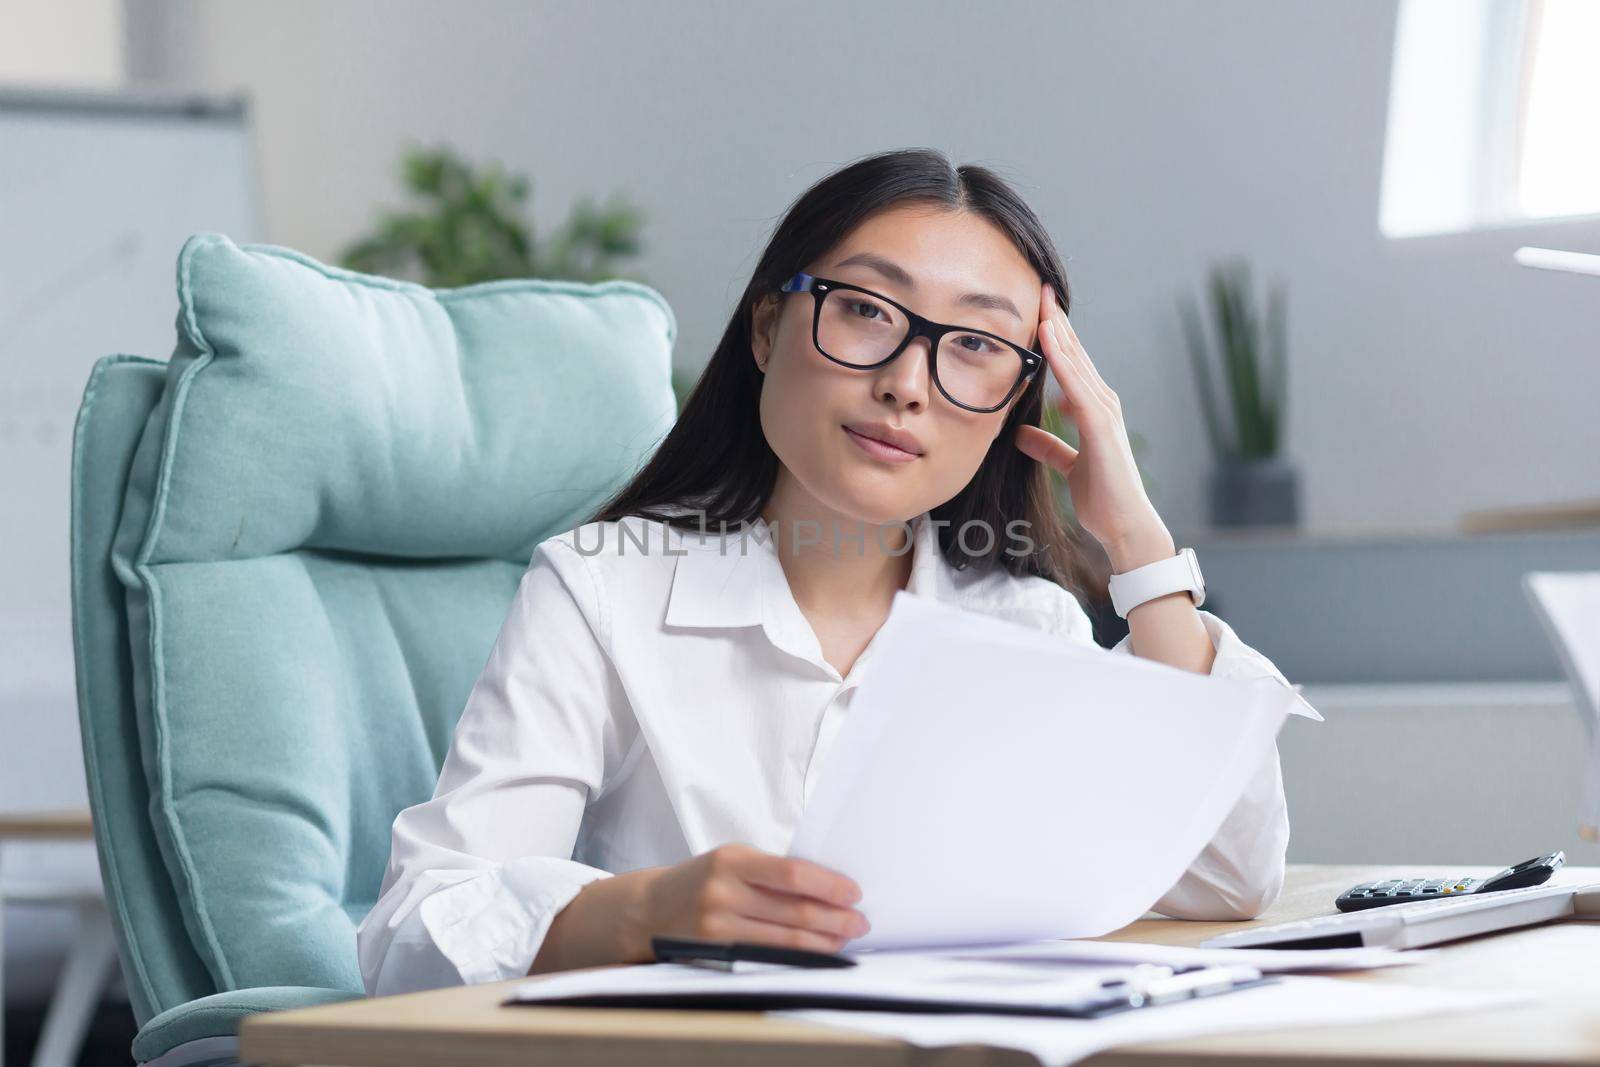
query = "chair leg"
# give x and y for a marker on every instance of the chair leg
(2, 955)
(78, 990)
(2, 965)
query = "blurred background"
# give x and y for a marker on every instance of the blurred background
(1289, 229)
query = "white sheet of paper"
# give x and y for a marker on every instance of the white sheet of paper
(1265, 960)
(1291, 1002)
(994, 783)
(1568, 603)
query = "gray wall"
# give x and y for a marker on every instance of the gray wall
(1436, 775)
(1411, 610)
(1428, 376)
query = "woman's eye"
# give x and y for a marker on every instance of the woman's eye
(859, 305)
(979, 344)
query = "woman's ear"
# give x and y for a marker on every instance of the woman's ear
(763, 324)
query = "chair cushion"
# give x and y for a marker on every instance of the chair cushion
(326, 518)
(219, 1015)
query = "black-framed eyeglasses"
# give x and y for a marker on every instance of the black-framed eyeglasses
(856, 327)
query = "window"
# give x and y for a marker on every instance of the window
(1493, 108)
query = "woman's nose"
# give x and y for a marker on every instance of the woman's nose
(909, 376)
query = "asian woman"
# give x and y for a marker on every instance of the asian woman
(665, 690)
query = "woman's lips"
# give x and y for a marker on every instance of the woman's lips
(879, 450)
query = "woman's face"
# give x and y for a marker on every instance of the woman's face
(808, 400)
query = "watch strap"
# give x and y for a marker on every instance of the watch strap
(1177, 573)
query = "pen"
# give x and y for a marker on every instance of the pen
(722, 955)
(1150, 985)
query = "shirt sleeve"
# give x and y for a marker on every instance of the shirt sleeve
(476, 874)
(1239, 873)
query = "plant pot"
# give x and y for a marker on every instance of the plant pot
(1255, 492)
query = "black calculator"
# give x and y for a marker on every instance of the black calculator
(1536, 871)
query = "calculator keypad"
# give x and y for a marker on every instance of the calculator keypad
(1398, 890)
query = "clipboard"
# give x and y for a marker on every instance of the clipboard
(1133, 988)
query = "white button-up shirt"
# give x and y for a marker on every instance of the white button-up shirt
(655, 693)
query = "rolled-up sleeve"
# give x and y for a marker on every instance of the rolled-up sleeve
(477, 873)
(1240, 871)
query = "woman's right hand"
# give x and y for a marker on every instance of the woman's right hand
(732, 893)
(740, 893)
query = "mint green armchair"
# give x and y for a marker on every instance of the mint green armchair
(292, 547)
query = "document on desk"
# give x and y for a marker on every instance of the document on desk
(914, 982)
(1293, 1001)
(996, 783)
(948, 1000)
(1265, 960)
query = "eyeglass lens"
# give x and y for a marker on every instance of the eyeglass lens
(855, 328)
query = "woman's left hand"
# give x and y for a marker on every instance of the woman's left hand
(1102, 477)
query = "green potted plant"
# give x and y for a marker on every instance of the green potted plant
(1252, 482)
(469, 224)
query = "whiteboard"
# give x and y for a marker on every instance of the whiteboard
(98, 191)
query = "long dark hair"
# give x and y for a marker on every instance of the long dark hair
(716, 459)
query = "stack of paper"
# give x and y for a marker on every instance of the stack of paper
(1002, 973)
(1021, 974)
(903, 981)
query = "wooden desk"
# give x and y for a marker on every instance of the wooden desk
(465, 1026)
(45, 825)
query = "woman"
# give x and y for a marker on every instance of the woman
(662, 697)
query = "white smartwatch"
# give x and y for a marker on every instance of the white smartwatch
(1180, 573)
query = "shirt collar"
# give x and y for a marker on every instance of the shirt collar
(736, 579)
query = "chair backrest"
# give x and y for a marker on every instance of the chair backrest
(293, 546)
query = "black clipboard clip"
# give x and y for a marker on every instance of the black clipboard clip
(722, 955)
